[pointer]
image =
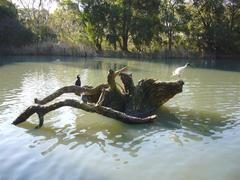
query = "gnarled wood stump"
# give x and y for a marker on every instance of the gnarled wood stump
(136, 104)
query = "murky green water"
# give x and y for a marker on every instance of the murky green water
(196, 137)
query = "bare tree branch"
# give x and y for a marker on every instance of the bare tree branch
(41, 110)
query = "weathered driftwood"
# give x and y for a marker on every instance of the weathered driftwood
(148, 95)
(41, 110)
(136, 104)
(85, 90)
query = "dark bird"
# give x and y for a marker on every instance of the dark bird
(78, 81)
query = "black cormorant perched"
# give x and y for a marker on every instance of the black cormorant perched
(78, 81)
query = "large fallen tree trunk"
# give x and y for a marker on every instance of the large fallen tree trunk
(136, 104)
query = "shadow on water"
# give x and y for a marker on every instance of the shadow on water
(184, 126)
(83, 63)
(94, 64)
(218, 64)
(101, 63)
(205, 124)
(226, 65)
(6, 60)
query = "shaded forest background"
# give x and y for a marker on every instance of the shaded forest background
(203, 28)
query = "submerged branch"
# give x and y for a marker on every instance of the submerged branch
(41, 110)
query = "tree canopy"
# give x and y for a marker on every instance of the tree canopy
(206, 27)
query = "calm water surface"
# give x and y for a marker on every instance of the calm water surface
(197, 135)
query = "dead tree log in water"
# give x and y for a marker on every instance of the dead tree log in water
(85, 90)
(135, 105)
(41, 110)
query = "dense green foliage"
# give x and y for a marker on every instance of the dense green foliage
(205, 27)
(209, 27)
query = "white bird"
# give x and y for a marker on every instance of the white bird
(178, 71)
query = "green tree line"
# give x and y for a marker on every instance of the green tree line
(205, 27)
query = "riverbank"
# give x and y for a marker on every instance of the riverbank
(156, 55)
(176, 54)
(51, 49)
(87, 50)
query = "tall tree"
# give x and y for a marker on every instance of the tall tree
(232, 21)
(67, 23)
(95, 13)
(35, 15)
(173, 18)
(145, 22)
(126, 18)
(113, 29)
(208, 15)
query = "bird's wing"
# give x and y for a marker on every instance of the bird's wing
(174, 73)
(177, 71)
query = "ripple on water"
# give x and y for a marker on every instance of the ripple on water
(77, 145)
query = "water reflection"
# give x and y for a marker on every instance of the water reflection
(180, 127)
(230, 65)
(201, 120)
(196, 125)
(129, 139)
(97, 63)
(189, 117)
(222, 64)
(101, 64)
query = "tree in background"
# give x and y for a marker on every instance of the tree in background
(125, 22)
(231, 43)
(117, 21)
(95, 19)
(173, 19)
(208, 26)
(35, 15)
(12, 32)
(67, 24)
(113, 30)
(145, 23)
